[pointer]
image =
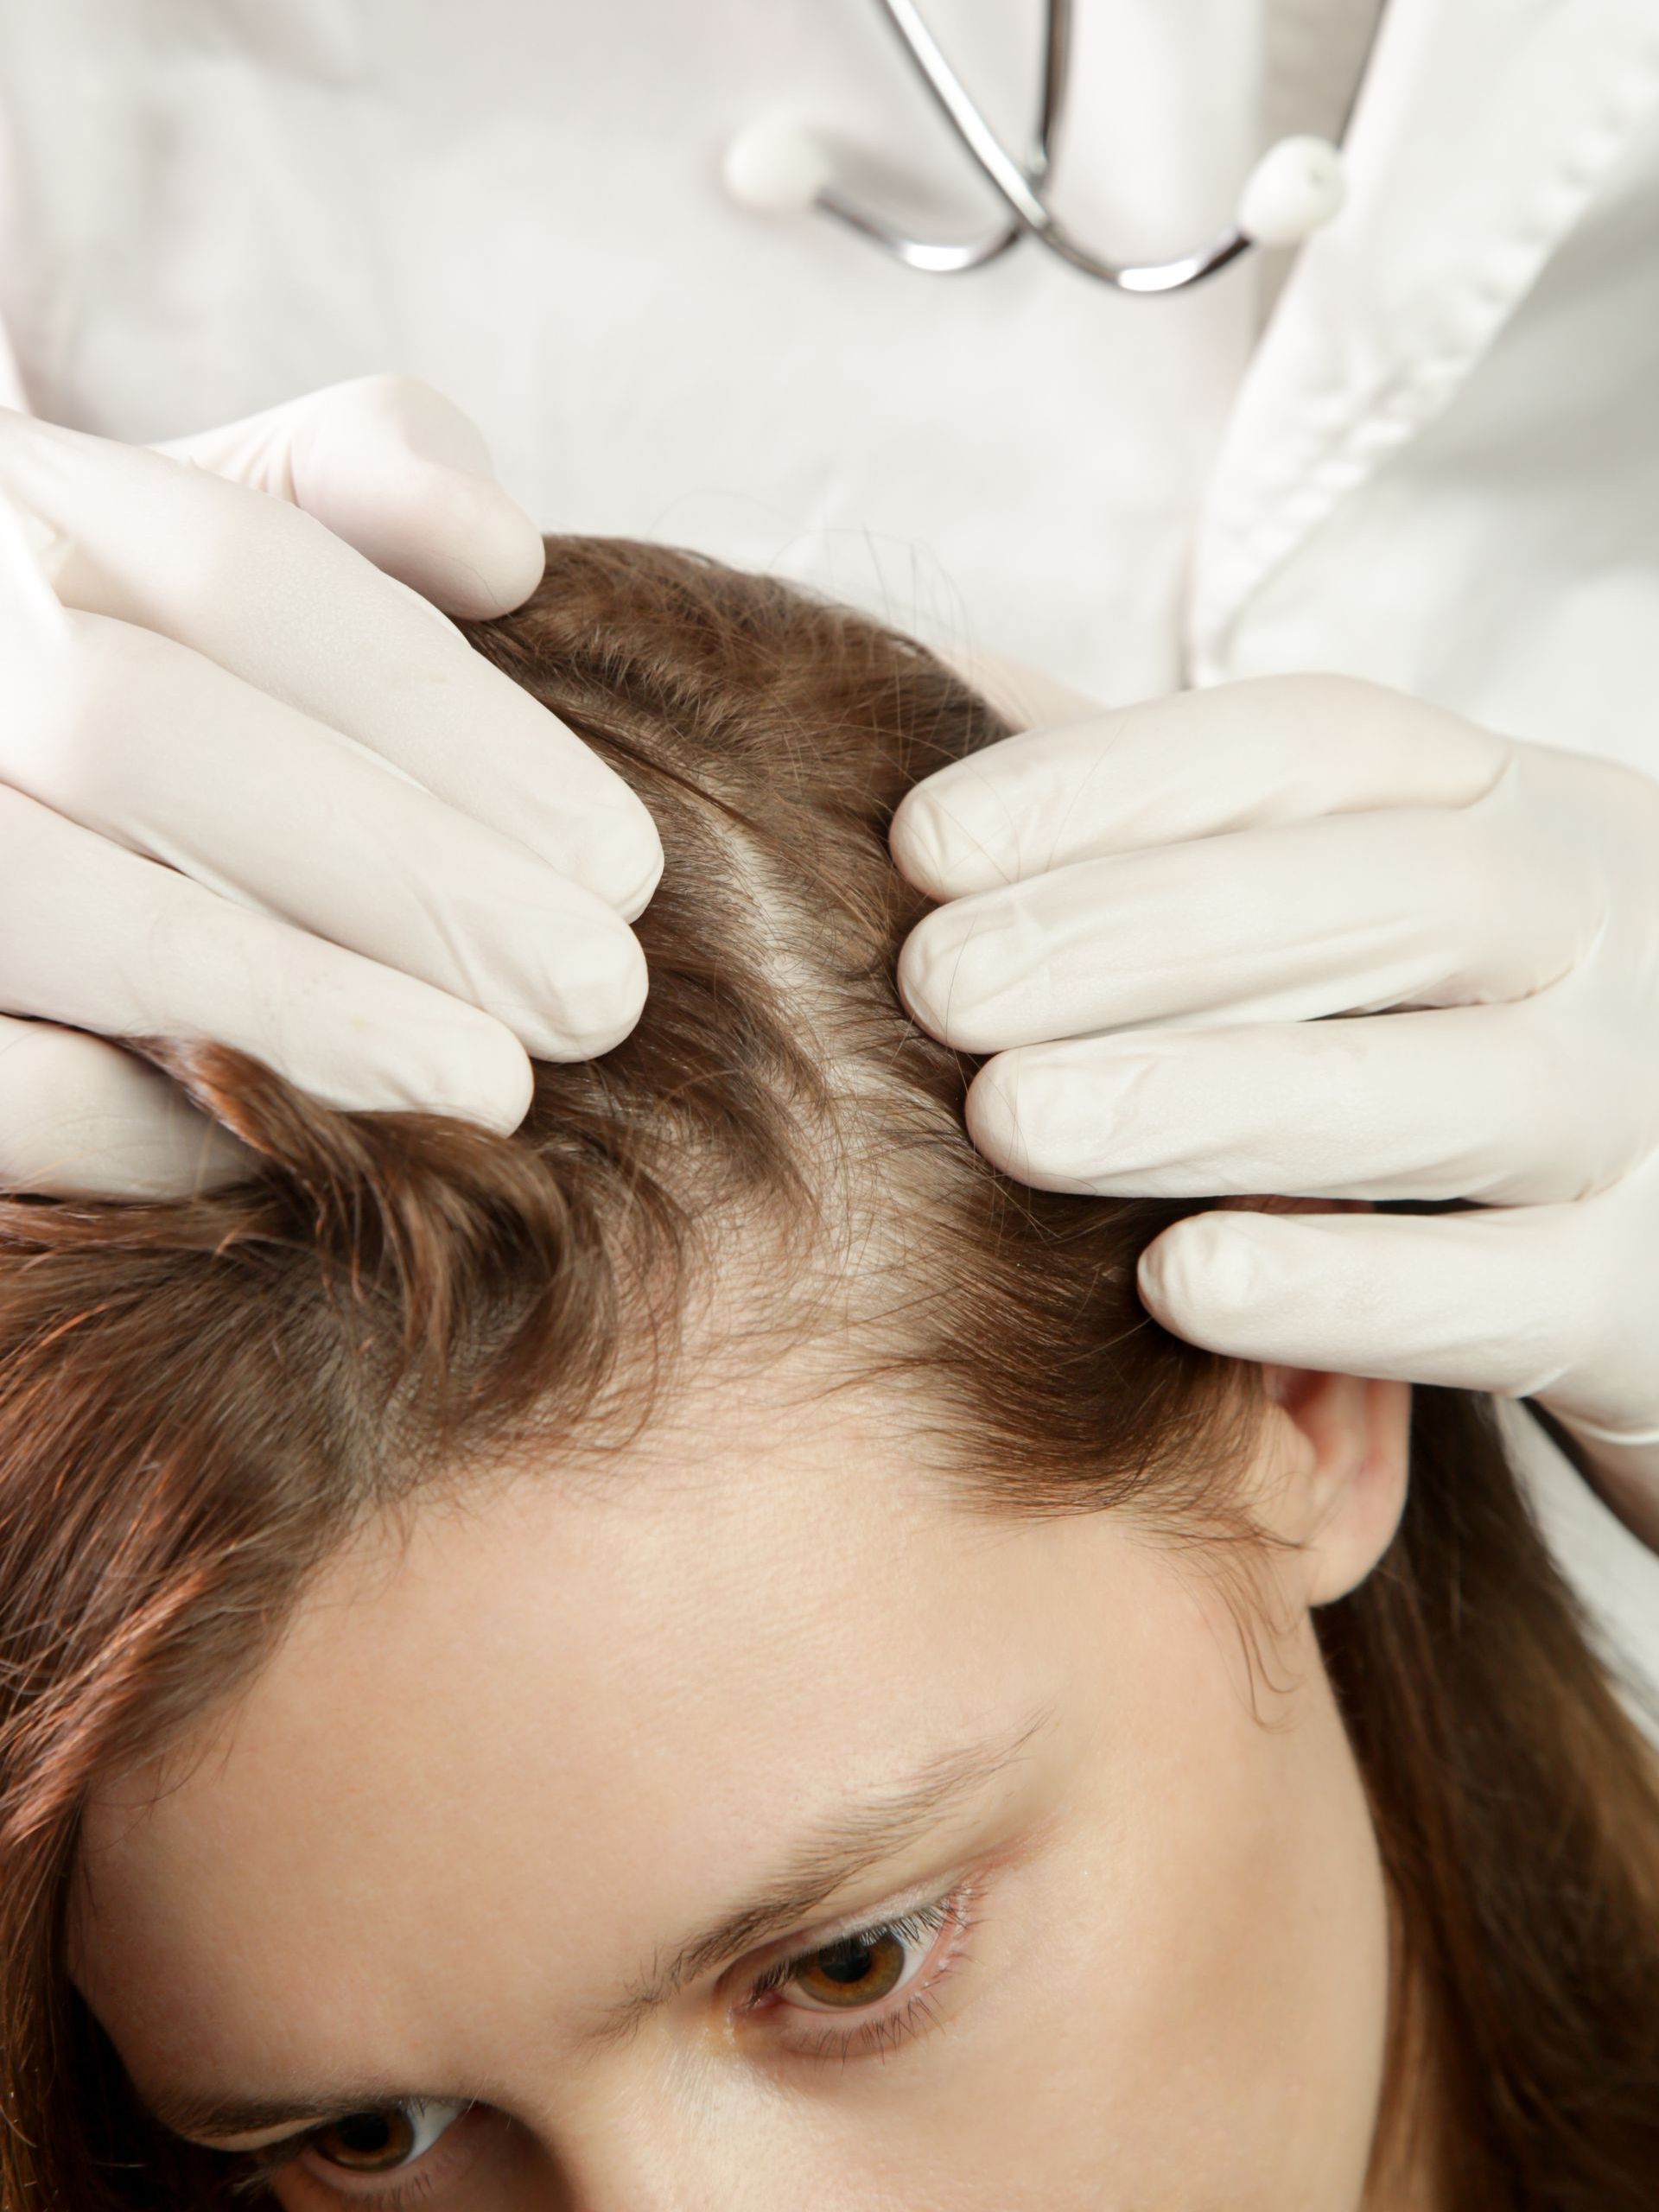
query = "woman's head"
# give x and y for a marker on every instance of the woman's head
(454, 1575)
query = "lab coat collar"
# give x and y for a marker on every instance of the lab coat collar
(1482, 132)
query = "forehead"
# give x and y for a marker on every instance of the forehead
(584, 1712)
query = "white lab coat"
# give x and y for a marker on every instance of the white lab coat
(1437, 465)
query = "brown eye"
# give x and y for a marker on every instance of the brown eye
(384, 2142)
(367, 2142)
(857, 1970)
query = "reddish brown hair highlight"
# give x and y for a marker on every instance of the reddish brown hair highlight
(199, 1400)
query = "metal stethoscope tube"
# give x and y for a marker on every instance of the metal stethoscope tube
(782, 169)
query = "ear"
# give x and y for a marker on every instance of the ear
(1337, 1453)
(1338, 1448)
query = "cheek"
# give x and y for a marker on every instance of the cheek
(1230, 2000)
(1206, 2032)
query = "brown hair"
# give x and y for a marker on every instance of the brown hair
(199, 1400)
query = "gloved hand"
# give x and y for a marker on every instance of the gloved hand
(384, 869)
(1179, 928)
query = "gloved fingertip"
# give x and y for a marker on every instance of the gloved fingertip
(404, 475)
(32, 556)
(947, 841)
(594, 992)
(917, 845)
(493, 1090)
(459, 541)
(625, 857)
(915, 977)
(1205, 1274)
(937, 977)
(997, 1125)
(466, 1064)
(953, 978)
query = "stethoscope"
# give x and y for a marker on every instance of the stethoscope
(780, 167)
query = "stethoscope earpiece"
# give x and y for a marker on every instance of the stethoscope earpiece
(780, 167)
(777, 167)
(1294, 190)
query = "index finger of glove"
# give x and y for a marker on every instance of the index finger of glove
(271, 595)
(1349, 915)
(1261, 754)
(398, 471)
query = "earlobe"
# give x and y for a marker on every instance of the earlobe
(1345, 1446)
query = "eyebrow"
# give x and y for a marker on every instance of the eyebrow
(857, 1839)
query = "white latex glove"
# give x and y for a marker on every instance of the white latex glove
(254, 788)
(1152, 916)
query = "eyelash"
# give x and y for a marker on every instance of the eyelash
(955, 1911)
(269, 2163)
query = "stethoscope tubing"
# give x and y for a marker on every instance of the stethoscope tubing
(1018, 184)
